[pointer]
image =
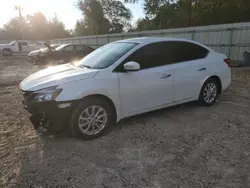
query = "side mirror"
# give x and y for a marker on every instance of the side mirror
(131, 66)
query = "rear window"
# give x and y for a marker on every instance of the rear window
(187, 51)
(24, 43)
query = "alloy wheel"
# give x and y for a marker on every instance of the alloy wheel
(92, 120)
(210, 93)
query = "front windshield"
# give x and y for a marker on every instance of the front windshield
(61, 47)
(106, 55)
(12, 43)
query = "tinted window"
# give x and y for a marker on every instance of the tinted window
(24, 43)
(186, 51)
(79, 47)
(152, 55)
(68, 48)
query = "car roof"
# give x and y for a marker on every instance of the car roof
(148, 40)
(72, 44)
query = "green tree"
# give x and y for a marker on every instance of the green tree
(38, 25)
(117, 14)
(102, 16)
(56, 29)
(93, 22)
(79, 28)
(34, 26)
(13, 30)
(182, 13)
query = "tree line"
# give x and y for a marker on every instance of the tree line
(112, 16)
(164, 14)
(34, 26)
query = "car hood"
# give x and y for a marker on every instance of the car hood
(4, 45)
(56, 75)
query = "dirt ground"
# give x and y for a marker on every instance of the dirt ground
(186, 146)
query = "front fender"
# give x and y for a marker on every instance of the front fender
(82, 88)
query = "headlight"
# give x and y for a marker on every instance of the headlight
(48, 94)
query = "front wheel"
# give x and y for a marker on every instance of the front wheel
(91, 118)
(209, 92)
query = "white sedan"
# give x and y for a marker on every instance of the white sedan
(125, 78)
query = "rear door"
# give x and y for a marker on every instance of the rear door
(190, 68)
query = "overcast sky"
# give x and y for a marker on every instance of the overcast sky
(66, 10)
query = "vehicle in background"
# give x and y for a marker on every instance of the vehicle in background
(64, 53)
(34, 55)
(125, 78)
(20, 46)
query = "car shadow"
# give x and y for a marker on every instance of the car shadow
(142, 118)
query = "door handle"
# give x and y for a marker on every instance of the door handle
(202, 69)
(165, 76)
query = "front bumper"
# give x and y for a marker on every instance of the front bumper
(58, 113)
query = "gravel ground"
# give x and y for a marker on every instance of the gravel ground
(182, 146)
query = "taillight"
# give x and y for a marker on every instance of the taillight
(228, 62)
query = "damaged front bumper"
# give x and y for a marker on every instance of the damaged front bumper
(56, 113)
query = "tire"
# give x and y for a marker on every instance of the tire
(81, 112)
(206, 92)
(7, 52)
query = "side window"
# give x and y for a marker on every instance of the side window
(25, 43)
(186, 51)
(152, 55)
(79, 47)
(87, 49)
(68, 48)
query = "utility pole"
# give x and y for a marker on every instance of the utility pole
(18, 8)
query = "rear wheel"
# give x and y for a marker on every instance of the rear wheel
(209, 92)
(7, 52)
(91, 118)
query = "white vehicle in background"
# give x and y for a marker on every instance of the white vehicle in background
(21, 46)
(125, 78)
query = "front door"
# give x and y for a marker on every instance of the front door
(25, 46)
(149, 87)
